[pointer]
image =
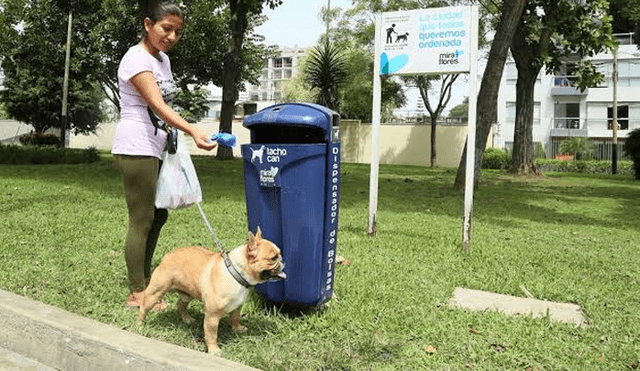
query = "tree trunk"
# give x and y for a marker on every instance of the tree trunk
(434, 127)
(424, 84)
(231, 71)
(528, 55)
(523, 158)
(488, 95)
(227, 112)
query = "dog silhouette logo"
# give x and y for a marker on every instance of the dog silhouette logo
(402, 38)
(257, 154)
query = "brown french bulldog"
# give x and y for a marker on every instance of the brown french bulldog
(197, 273)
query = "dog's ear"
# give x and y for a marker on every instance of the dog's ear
(257, 236)
(258, 232)
(252, 247)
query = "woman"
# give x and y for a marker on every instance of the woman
(146, 90)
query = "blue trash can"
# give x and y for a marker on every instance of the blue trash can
(292, 182)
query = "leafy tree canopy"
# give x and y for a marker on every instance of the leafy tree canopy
(102, 32)
(461, 110)
(32, 50)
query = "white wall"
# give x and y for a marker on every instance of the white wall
(399, 144)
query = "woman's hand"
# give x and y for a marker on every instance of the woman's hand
(202, 140)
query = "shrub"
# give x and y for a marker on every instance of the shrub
(15, 155)
(495, 158)
(39, 139)
(632, 148)
(590, 167)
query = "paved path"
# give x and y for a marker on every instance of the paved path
(36, 336)
(12, 361)
(482, 300)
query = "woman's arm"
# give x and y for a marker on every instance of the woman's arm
(146, 85)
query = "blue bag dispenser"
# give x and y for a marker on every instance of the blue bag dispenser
(292, 182)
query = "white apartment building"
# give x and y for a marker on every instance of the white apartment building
(276, 72)
(562, 111)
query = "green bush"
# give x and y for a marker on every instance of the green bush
(632, 148)
(495, 158)
(30, 154)
(39, 139)
(589, 166)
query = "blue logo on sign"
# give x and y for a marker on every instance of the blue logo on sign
(392, 65)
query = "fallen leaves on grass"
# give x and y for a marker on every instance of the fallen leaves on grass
(431, 350)
(474, 331)
(341, 260)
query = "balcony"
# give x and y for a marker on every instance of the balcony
(568, 127)
(564, 85)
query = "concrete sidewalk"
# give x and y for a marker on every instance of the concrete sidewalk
(481, 301)
(36, 336)
(12, 361)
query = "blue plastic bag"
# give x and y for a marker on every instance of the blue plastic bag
(225, 139)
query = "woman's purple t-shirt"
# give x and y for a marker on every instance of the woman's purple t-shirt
(136, 135)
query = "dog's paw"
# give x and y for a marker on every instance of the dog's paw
(240, 329)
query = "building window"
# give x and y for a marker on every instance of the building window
(277, 75)
(567, 116)
(511, 113)
(286, 74)
(277, 63)
(623, 117)
(287, 62)
(566, 76)
(628, 74)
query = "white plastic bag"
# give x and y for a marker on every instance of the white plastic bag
(178, 184)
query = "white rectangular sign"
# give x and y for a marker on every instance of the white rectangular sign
(418, 42)
(434, 40)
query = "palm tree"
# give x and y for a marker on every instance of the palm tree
(325, 71)
(582, 148)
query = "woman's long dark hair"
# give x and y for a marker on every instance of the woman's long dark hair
(156, 10)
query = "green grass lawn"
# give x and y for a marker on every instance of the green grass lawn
(565, 237)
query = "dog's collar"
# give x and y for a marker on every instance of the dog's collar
(233, 271)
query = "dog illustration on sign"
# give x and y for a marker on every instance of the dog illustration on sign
(402, 37)
(257, 153)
